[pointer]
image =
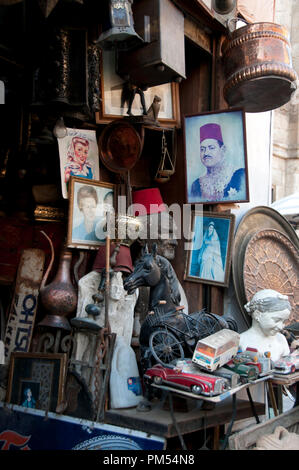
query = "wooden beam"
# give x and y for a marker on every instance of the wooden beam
(197, 35)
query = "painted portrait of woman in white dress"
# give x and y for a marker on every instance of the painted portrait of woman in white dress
(209, 258)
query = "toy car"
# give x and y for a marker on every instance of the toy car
(251, 356)
(247, 372)
(287, 364)
(195, 381)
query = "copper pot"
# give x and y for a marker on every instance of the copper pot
(258, 67)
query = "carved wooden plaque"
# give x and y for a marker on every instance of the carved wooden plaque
(272, 262)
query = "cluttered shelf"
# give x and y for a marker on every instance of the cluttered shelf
(159, 420)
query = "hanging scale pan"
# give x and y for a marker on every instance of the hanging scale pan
(120, 146)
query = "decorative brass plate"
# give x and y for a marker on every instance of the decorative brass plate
(271, 261)
(256, 219)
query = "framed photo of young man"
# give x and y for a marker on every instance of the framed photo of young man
(89, 202)
(209, 258)
(216, 157)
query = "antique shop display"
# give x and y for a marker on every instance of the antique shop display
(21, 318)
(216, 157)
(271, 261)
(59, 297)
(257, 219)
(167, 331)
(209, 256)
(269, 310)
(89, 203)
(79, 156)
(36, 380)
(188, 379)
(258, 67)
(162, 58)
(216, 350)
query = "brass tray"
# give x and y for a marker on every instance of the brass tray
(271, 261)
(256, 219)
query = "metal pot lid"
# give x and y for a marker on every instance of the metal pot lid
(120, 146)
(256, 219)
(271, 261)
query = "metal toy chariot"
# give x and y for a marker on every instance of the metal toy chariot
(168, 334)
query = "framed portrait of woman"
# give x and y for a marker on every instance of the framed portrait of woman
(89, 203)
(216, 157)
(209, 255)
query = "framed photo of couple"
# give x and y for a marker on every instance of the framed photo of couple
(89, 202)
(216, 157)
(209, 257)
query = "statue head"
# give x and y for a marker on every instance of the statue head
(269, 310)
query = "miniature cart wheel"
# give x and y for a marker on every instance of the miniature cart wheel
(208, 324)
(165, 347)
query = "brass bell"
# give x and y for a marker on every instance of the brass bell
(121, 34)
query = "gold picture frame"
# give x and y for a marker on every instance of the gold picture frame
(99, 196)
(111, 97)
(41, 373)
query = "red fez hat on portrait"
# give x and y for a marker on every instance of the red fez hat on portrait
(150, 199)
(123, 259)
(211, 131)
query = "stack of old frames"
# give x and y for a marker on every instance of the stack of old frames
(216, 173)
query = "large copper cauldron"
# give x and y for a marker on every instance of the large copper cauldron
(258, 67)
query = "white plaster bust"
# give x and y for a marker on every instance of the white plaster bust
(269, 310)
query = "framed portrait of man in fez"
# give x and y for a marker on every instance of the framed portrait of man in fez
(216, 157)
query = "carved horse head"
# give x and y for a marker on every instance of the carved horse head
(146, 271)
(156, 272)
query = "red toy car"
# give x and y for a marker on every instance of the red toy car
(190, 379)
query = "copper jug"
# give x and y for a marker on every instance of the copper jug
(59, 297)
(258, 67)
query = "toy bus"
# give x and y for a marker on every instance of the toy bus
(217, 349)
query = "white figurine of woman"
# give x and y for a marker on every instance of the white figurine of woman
(269, 310)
